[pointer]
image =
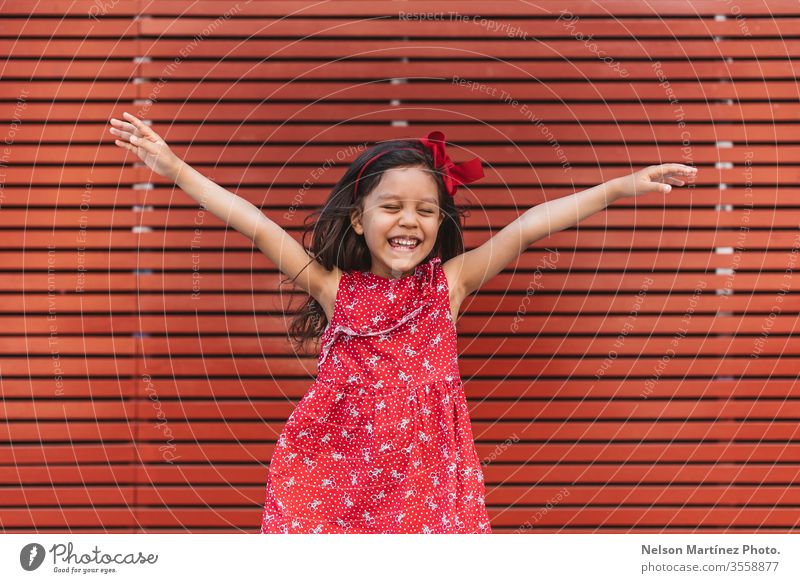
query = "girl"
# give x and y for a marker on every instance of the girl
(382, 440)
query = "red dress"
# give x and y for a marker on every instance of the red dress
(382, 441)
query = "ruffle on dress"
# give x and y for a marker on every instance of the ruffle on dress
(343, 321)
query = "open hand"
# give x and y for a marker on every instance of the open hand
(660, 178)
(136, 136)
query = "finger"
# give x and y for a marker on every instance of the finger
(659, 187)
(662, 174)
(674, 169)
(124, 135)
(675, 166)
(681, 175)
(681, 169)
(143, 128)
(123, 125)
(125, 145)
(143, 143)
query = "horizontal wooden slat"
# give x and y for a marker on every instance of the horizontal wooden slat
(233, 263)
(476, 387)
(354, 8)
(120, 23)
(615, 217)
(66, 518)
(522, 365)
(509, 451)
(68, 453)
(751, 430)
(462, 48)
(346, 139)
(489, 112)
(474, 343)
(73, 387)
(448, 68)
(547, 26)
(626, 237)
(413, 91)
(364, 70)
(264, 154)
(381, 49)
(547, 282)
(562, 474)
(677, 516)
(511, 410)
(259, 301)
(65, 497)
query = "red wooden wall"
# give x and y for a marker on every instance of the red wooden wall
(637, 373)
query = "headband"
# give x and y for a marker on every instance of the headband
(453, 174)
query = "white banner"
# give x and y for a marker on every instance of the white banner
(353, 558)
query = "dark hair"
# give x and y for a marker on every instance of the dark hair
(335, 243)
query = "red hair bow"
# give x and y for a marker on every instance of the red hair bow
(454, 175)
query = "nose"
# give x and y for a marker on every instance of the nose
(408, 217)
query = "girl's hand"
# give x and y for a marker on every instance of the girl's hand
(654, 179)
(137, 137)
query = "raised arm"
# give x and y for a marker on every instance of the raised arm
(471, 270)
(287, 254)
(271, 239)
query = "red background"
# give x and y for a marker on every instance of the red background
(587, 419)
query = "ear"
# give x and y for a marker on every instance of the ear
(355, 220)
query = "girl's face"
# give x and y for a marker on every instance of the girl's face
(404, 204)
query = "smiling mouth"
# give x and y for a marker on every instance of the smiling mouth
(401, 244)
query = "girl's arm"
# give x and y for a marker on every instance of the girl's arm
(476, 267)
(280, 247)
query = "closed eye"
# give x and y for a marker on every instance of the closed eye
(395, 207)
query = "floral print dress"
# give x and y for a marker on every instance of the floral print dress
(382, 440)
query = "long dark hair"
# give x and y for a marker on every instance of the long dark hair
(335, 243)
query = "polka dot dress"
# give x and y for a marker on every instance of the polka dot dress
(382, 441)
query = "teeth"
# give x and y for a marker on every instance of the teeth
(406, 242)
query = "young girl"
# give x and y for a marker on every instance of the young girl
(382, 440)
